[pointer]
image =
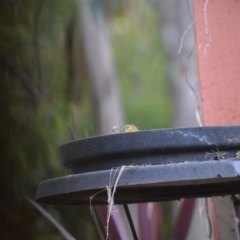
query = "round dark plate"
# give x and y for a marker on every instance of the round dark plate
(160, 165)
(150, 147)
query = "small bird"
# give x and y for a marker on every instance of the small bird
(126, 128)
(130, 128)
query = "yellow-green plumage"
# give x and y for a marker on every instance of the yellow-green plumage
(130, 128)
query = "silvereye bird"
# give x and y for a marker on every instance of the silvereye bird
(126, 128)
(130, 128)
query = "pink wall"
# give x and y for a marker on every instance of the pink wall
(219, 63)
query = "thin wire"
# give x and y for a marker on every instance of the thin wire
(199, 116)
(189, 9)
(208, 219)
(198, 110)
(97, 223)
(130, 221)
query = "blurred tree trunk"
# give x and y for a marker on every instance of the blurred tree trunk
(104, 88)
(175, 18)
(104, 84)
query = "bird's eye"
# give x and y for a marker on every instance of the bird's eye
(129, 127)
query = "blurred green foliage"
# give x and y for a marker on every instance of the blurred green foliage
(141, 65)
(44, 78)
